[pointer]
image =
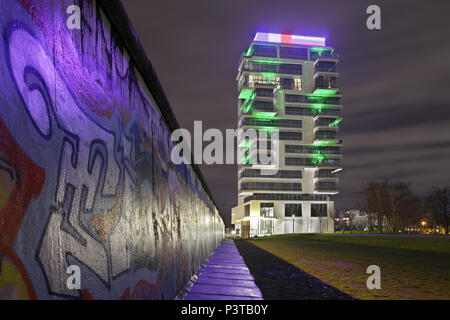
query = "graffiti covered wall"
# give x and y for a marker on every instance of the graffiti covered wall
(85, 171)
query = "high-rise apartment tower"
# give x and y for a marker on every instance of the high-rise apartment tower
(289, 83)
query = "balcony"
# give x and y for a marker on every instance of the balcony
(326, 188)
(327, 175)
(330, 164)
(324, 56)
(323, 135)
(280, 174)
(306, 149)
(328, 114)
(264, 85)
(270, 186)
(327, 122)
(326, 68)
(326, 87)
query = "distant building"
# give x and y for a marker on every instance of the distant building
(355, 220)
(289, 83)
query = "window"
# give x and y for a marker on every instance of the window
(265, 51)
(266, 209)
(292, 136)
(311, 150)
(329, 173)
(331, 162)
(287, 197)
(263, 106)
(326, 82)
(285, 174)
(305, 99)
(298, 84)
(272, 123)
(329, 112)
(296, 98)
(268, 67)
(324, 135)
(259, 67)
(260, 79)
(247, 210)
(264, 92)
(287, 84)
(299, 162)
(253, 78)
(298, 111)
(319, 210)
(325, 186)
(269, 186)
(294, 53)
(293, 209)
(290, 69)
(326, 66)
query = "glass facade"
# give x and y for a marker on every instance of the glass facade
(319, 210)
(293, 209)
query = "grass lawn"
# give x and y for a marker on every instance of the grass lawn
(411, 268)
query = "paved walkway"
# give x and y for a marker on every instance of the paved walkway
(226, 277)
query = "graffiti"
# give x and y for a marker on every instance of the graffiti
(85, 172)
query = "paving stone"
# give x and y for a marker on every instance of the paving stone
(226, 277)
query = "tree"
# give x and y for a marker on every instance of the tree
(351, 216)
(437, 201)
(389, 201)
(370, 203)
(363, 205)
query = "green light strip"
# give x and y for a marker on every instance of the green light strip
(323, 143)
(266, 119)
(321, 50)
(249, 52)
(325, 92)
(245, 93)
(335, 123)
(264, 114)
(249, 95)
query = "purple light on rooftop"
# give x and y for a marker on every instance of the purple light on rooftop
(289, 39)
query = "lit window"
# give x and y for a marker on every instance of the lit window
(298, 83)
(265, 78)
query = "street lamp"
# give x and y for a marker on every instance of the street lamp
(424, 223)
(293, 224)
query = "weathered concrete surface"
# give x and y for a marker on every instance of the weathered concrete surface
(85, 172)
(226, 277)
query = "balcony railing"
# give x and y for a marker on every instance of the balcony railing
(320, 68)
(326, 135)
(270, 186)
(326, 186)
(326, 84)
(324, 55)
(329, 112)
(333, 163)
(303, 149)
(325, 174)
(327, 122)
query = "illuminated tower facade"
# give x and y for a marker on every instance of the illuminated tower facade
(289, 83)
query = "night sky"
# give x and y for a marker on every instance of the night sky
(396, 81)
